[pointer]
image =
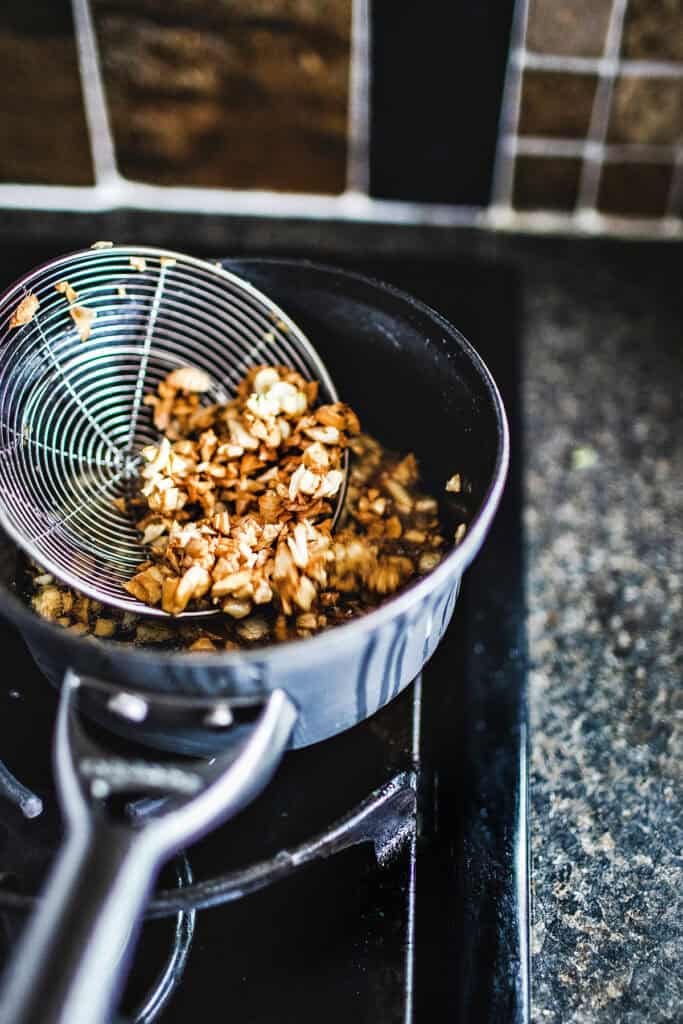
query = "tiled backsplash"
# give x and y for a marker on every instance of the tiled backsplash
(598, 86)
(349, 109)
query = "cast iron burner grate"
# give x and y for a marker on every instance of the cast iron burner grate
(384, 821)
(440, 932)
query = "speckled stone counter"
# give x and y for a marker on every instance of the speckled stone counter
(602, 379)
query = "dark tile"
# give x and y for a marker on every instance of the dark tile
(437, 82)
(647, 110)
(556, 103)
(653, 31)
(635, 190)
(546, 183)
(44, 134)
(575, 28)
(251, 95)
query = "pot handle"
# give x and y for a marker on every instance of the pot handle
(72, 958)
(73, 955)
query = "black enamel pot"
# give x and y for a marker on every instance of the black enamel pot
(419, 386)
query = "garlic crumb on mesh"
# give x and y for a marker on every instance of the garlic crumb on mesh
(65, 289)
(102, 245)
(189, 378)
(25, 311)
(138, 263)
(84, 319)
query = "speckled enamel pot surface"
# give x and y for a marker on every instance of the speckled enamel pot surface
(419, 386)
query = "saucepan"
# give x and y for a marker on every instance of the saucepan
(221, 722)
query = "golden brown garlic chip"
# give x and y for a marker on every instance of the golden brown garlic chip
(25, 311)
(83, 318)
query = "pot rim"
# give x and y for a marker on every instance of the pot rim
(454, 564)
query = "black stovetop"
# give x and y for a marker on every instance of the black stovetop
(437, 930)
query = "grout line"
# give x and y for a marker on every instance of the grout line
(611, 152)
(94, 98)
(299, 208)
(556, 62)
(675, 201)
(597, 132)
(503, 170)
(638, 153)
(161, 199)
(358, 122)
(598, 65)
(551, 222)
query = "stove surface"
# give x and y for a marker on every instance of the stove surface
(438, 929)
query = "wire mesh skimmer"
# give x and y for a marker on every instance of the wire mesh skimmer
(72, 420)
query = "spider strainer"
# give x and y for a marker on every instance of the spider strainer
(71, 414)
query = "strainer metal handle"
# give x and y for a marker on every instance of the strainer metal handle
(71, 412)
(73, 955)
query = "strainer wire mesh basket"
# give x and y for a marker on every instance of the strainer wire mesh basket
(72, 418)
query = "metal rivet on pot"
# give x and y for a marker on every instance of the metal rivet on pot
(128, 705)
(219, 717)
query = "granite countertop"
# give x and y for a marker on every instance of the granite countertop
(602, 384)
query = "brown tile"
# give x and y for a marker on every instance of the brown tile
(546, 183)
(44, 135)
(634, 190)
(251, 95)
(653, 30)
(574, 28)
(556, 103)
(647, 110)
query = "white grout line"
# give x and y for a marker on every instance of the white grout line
(503, 171)
(349, 208)
(358, 127)
(131, 195)
(597, 65)
(94, 99)
(533, 145)
(635, 153)
(597, 132)
(629, 153)
(675, 202)
(590, 222)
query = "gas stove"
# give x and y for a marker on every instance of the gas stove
(383, 875)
